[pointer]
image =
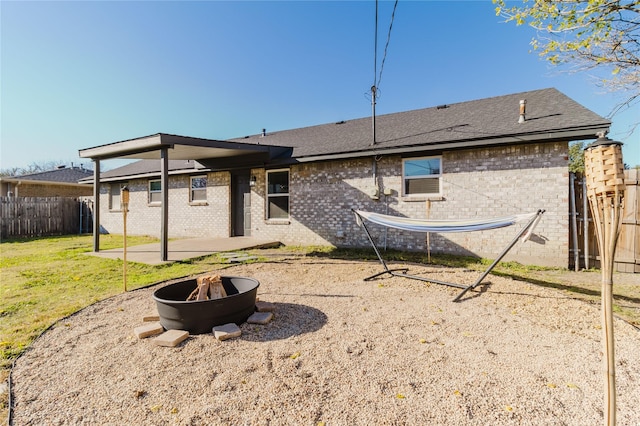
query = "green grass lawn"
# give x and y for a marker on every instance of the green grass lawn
(43, 280)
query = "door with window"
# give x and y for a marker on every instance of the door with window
(240, 203)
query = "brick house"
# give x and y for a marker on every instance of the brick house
(60, 182)
(477, 159)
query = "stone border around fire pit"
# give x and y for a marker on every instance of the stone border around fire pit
(172, 338)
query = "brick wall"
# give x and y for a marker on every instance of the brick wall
(186, 219)
(484, 183)
(27, 189)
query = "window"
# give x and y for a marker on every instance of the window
(421, 176)
(278, 194)
(198, 189)
(115, 191)
(155, 191)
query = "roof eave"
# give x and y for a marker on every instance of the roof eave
(184, 147)
(19, 181)
(567, 135)
(119, 149)
(146, 175)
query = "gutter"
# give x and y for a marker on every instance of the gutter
(89, 181)
(583, 133)
(18, 181)
(119, 149)
(468, 144)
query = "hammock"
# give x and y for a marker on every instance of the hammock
(439, 226)
(444, 226)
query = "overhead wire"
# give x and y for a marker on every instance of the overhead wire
(500, 201)
(377, 77)
(375, 50)
(386, 46)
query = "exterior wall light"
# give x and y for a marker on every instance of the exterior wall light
(252, 181)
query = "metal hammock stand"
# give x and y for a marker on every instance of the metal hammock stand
(442, 226)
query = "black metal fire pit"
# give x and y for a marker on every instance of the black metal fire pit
(200, 316)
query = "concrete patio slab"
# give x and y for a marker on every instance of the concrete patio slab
(179, 250)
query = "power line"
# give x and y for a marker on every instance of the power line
(384, 56)
(375, 51)
(374, 88)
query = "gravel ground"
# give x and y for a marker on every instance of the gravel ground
(339, 351)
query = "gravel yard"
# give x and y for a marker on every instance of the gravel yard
(339, 351)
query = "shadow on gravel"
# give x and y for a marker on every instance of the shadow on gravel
(289, 320)
(576, 289)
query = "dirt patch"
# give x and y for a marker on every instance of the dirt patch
(341, 351)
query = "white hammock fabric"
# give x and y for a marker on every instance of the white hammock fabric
(440, 226)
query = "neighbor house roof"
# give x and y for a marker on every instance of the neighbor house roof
(550, 115)
(60, 175)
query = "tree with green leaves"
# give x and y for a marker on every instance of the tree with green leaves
(585, 34)
(588, 34)
(576, 157)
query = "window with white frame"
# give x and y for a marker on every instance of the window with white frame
(155, 191)
(278, 194)
(422, 176)
(198, 191)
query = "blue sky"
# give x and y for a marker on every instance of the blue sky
(80, 74)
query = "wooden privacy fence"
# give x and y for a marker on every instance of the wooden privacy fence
(583, 246)
(25, 217)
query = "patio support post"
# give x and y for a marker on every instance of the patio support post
(96, 205)
(164, 183)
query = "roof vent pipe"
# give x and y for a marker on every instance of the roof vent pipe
(264, 132)
(523, 107)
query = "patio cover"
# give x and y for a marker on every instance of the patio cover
(164, 146)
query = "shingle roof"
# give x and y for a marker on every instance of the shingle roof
(63, 175)
(475, 122)
(549, 115)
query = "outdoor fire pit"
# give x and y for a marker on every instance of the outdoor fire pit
(200, 316)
